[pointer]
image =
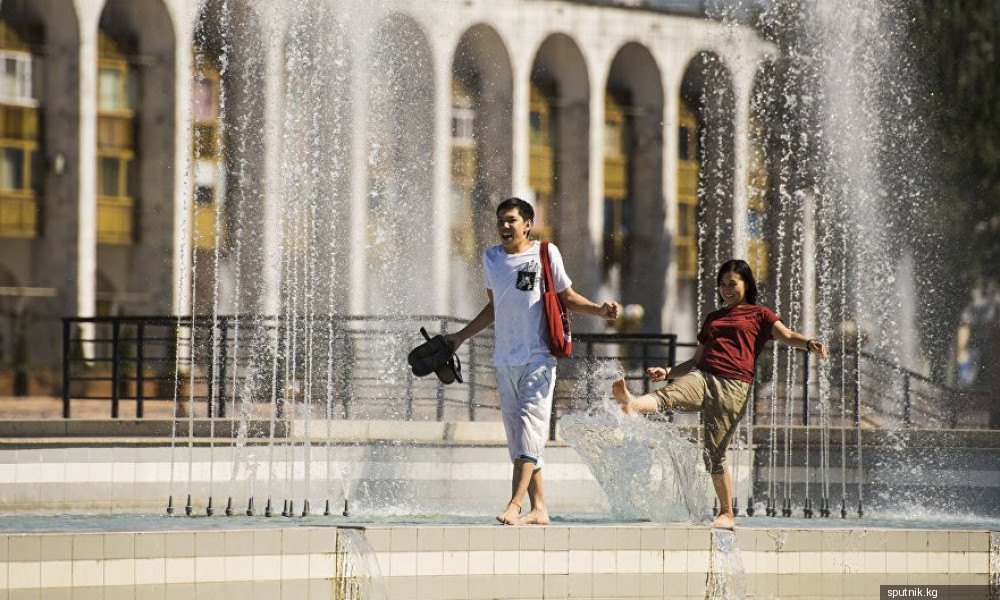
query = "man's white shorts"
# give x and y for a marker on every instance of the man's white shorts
(526, 406)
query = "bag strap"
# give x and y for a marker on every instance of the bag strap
(546, 268)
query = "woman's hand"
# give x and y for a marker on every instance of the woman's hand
(657, 373)
(454, 341)
(818, 347)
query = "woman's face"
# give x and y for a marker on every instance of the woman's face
(732, 289)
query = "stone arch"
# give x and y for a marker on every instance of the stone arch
(136, 216)
(400, 147)
(482, 153)
(707, 89)
(634, 90)
(560, 83)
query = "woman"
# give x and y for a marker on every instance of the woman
(717, 379)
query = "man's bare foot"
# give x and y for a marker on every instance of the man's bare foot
(724, 522)
(511, 515)
(621, 394)
(535, 517)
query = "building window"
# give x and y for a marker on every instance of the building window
(15, 78)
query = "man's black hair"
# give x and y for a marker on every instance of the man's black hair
(741, 268)
(523, 208)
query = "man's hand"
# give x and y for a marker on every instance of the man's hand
(609, 311)
(657, 373)
(453, 341)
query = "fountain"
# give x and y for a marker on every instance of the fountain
(319, 450)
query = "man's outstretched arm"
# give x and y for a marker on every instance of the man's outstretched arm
(483, 320)
(579, 304)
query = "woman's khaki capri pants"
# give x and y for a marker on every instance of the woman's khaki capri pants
(722, 403)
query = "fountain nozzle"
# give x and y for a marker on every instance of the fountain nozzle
(170, 505)
(187, 509)
(786, 508)
(305, 508)
(843, 509)
(267, 509)
(750, 509)
(736, 506)
(824, 509)
(208, 509)
(229, 507)
(861, 510)
(326, 510)
(807, 512)
(250, 507)
(347, 510)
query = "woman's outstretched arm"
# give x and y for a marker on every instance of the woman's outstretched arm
(796, 340)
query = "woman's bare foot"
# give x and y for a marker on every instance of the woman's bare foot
(511, 515)
(535, 517)
(724, 522)
(621, 394)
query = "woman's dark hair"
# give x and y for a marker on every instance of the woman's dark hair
(741, 268)
(523, 208)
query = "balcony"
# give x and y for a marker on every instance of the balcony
(115, 221)
(18, 215)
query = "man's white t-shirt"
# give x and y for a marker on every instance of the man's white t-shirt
(519, 315)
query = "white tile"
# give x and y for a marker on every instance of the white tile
(25, 576)
(481, 562)
(979, 562)
(874, 562)
(651, 561)
(88, 573)
(895, 562)
(937, 562)
(3, 575)
(581, 561)
(916, 562)
(532, 562)
(267, 568)
(56, 573)
(604, 561)
(505, 562)
(557, 562)
(788, 563)
(382, 559)
(750, 561)
(178, 570)
(238, 568)
(321, 566)
(8, 473)
(99, 472)
(456, 563)
(403, 564)
(430, 564)
(150, 571)
(119, 572)
(958, 563)
(830, 562)
(627, 561)
(295, 566)
(698, 561)
(809, 562)
(675, 561)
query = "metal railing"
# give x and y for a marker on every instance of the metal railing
(355, 367)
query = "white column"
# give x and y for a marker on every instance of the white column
(181, 301)
(441, 181)
(671, 111)
(357, 256)
(86, 271)
(520, 129)
(273, 125)
(595, 193)
(741, 160)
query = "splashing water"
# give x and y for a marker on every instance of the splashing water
(358, 575)
(726, 576)
(648, 470)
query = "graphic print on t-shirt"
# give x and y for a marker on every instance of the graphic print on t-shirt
(527, 274)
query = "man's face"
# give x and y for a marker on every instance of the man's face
(513, 229)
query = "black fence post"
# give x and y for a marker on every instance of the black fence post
(67, 358)
(805, 389)
(471, 376)
(223, 358)
(140, 367)
(907, 402)
(115, 370)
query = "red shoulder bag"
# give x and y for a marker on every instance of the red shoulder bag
(556, 315)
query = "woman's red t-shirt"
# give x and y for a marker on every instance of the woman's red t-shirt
(733, 338)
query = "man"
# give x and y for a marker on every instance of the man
(525, 368)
